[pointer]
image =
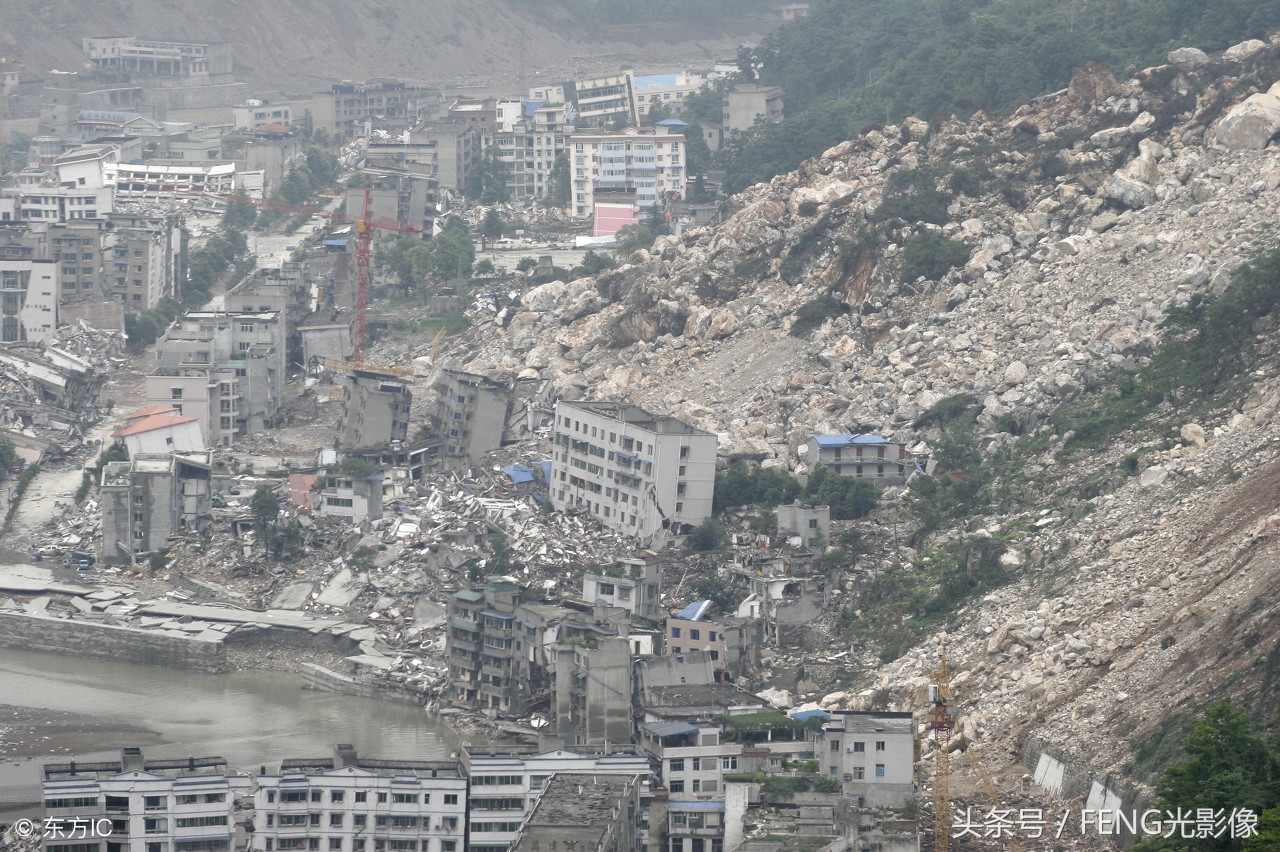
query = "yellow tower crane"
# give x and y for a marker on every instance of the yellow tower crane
(943, 723)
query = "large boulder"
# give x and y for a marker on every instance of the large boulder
(1250, 126)
(1092, 84)
(1188, 56)
(1129, 192)
(1243, 50)
(544, 297)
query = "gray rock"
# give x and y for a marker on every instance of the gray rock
(1153, 476)
(1129, 192)
(1252, 124)
(1188, 56)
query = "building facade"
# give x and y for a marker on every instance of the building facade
(183, 805)
(873, 755)
(746, 102)
(29, 291)
(375, 409)
(151, 497)
(352, 804)
(811, 524)
(645, 161)
(863, 456)
(505, 789)
(635, 472)
(470, 416)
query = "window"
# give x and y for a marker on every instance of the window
(697, 786)
(677, 764)
(182, 800)
(175, 393)
(153, 803)
(859, 747)
(833, 769)
(335, 844)
(715, 655)
(405, 798)
(676, 786)
(359, 820)
(879, 745)
(675, 633)
(451, 798)
(835, 745)
(729, 762)
(156, 825)
(606, 589)
(857, 773)
(382, 798)
(879, 770)
(624, 593)
(362, 796)
(712, 636)
(335, 820)
(697, 764)
(695, 635)
(313, 819)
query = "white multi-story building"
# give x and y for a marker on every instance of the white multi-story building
(669, 90)
(29, 291)
(643, 161)
(529, 135)
(634, 471)
(183, 805)
(505, 788)
(73, 187)
(154, 180)
(353, 804)
(256, 113)
(873, 755)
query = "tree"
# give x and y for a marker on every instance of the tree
(484, 267)
(239, 215)
(453, 252)
(8, 455)
(526, 264)
(487, 181)
(708, 536)
(265, 507)
(559, 188)
(632, 237)
(491, 225)
(1229, 766)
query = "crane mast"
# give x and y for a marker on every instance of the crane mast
(943, 723)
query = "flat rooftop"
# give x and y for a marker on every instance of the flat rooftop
(634, 415)
(857, 722)
(576, 808)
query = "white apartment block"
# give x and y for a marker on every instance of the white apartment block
(647, 161)
(505, 788)
(29, 291)
(873, 755)
(256, 113)
(529, 135)
(667, 90)
(183, 805)
(352, 804)
(634, 471)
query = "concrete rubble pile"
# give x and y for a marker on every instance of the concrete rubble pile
(1100, 207)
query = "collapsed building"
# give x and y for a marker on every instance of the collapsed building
(152, 497)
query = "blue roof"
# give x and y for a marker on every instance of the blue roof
(694, 611)
(650, 80)
(672, 122)
(806, 715)
(695, 806)
(518, 473)
(336, 243)
(846, 440)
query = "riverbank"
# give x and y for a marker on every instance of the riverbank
(27, 732)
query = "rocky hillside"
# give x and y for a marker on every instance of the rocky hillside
(1004, 266)
(295, 45)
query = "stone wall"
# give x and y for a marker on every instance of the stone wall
(108, 641)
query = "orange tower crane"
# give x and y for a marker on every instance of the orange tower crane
(364, 226)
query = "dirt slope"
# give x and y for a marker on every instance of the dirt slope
(297, 44)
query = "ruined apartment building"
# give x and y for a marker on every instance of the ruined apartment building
(585, 812)
(151, 497)
(28, 300)
(506, 788)
(225, 369)
(636, 472)
(375, 409)
(470, 417)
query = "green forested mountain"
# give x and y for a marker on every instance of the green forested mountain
(853, 62)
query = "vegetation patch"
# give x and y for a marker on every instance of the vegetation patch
(931, 255)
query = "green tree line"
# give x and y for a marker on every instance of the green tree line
(851, 63)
